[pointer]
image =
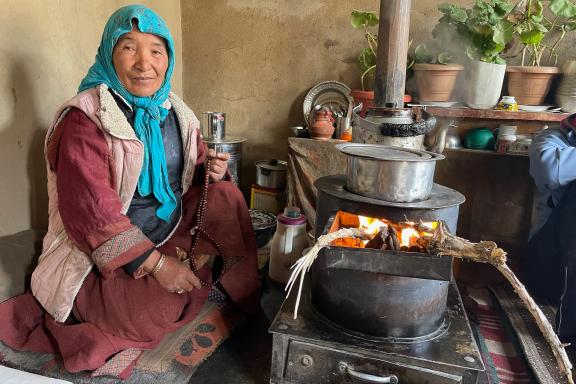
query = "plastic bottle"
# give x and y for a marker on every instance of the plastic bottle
(287, 245)
(507, 103)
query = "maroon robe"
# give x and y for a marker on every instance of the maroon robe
(120, 312)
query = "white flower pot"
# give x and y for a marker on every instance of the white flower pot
(566, 92)
(484, 84)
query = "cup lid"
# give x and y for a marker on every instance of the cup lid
(291, 216)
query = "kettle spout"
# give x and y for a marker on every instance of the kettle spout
(435, 139)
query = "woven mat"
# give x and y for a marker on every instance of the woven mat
(537, 352)
(499, 347)
(173, 361)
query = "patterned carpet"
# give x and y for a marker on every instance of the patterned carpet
(512, 347)
(173, 361)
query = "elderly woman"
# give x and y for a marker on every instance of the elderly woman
(130, 196)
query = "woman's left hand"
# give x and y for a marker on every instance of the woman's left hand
(218, 165)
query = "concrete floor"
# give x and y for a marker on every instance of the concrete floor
(245, 357)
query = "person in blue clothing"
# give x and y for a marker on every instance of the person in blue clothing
(550, 264)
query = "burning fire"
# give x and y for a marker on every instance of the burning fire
(408, 236)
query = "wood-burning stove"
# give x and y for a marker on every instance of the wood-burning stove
(376, 316)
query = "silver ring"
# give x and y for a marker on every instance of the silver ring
(180, 291)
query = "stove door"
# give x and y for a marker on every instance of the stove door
(309, 363)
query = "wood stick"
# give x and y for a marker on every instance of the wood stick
(446, 244)
(443, 243)
(394, 237)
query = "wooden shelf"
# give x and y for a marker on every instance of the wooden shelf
(491, 114)
(483, 152)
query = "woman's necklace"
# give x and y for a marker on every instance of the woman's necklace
(199, 230)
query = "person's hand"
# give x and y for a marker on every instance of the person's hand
(174, 276)
(218, 165)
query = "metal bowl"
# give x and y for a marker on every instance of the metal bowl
(389, 173)
(264, 224)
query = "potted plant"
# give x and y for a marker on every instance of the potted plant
(435, 75)
(539, 35)
(366, 21)
(482, 32)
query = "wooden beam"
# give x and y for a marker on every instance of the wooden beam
(393, 37)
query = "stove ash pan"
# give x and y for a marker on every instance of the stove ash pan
(382, 293)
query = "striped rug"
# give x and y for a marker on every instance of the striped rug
(502, 355)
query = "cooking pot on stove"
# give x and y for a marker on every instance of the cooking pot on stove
(271, 173)
(389, 173)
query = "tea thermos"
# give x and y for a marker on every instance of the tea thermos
(287, 245)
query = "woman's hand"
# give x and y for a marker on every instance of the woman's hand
(218, 165)
(174, 276)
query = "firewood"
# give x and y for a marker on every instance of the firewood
(415, 248)
(446, 244)
(443, 243)
(379, 240)
(394, 237)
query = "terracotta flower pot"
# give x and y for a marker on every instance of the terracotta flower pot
(530, 85)
(436, 82)
(364, 97)
(367, 99)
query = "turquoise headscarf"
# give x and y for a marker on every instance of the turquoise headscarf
(148, 111)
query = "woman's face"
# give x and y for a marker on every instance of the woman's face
(140, 60)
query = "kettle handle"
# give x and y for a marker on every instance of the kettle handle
(288, 243)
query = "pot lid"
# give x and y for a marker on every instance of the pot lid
(272, 165)
(225, 140)
(385, 152)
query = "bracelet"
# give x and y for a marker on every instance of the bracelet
(159, 265)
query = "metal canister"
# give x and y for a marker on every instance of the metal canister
(233, 146)
(217, 129)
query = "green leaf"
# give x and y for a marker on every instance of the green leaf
(571, 25)
(540, 27)
(421, 54)
(444, 58)
(502, 8)
(499, 60)
(362, 19)
(454, 12)
(366, 59)
(532, 37)
(503, 32)
(564, 8)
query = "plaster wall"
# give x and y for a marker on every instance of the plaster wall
(46, 49)
(257, 59)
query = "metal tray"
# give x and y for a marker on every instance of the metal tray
(331, 94)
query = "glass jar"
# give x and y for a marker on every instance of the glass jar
(507, 103)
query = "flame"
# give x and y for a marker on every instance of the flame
(407, 235)
(371, 225)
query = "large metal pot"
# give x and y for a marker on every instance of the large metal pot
(381, 293)
(271, 173)
(389, 173)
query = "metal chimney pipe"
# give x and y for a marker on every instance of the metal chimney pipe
(393, 37)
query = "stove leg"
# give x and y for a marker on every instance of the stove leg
(278, 367)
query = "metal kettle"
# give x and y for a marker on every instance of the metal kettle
(399, 127)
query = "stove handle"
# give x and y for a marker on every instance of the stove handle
(366, 377)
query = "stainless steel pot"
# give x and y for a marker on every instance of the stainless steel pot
(389, 173)
(271, 173)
